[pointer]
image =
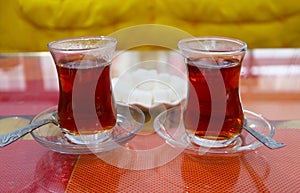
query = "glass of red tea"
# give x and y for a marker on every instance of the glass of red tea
(213, 114)
(86, 108)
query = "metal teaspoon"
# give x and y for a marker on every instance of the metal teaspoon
(266, 140)
(10, 137)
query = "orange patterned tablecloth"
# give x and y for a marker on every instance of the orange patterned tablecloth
(262, 170)
(26, 166)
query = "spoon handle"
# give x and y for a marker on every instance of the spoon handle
(10, 137)
(267, 141)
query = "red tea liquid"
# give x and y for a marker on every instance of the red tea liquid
(84, 82)
(198, 112)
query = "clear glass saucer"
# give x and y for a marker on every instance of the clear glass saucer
(130, 120)
(169, 125)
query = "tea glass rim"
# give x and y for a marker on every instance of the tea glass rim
(110, 43)
(183, 45)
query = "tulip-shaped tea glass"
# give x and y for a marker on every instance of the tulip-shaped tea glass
(86, 109)
(213, 115)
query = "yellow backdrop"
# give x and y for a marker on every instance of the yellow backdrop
(28, 25)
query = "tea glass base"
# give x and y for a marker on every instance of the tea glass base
(88, 139)
(130, 120)
(198, 141)
(170, 127)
